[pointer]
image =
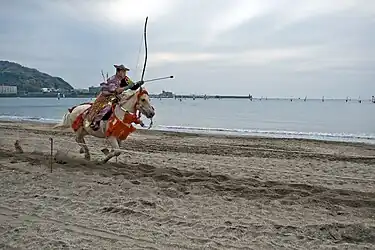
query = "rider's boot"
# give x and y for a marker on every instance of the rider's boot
(95, 125)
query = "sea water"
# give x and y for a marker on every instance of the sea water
(329, 120)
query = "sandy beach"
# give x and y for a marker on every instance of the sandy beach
(184, 191)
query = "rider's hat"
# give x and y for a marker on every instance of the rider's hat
(121, 67)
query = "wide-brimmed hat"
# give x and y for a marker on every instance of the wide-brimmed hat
(121, 67)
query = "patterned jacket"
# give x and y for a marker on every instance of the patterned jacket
(113, 83)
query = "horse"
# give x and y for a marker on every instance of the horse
(116, 128)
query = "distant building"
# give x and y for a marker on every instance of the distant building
(48, 90)
(82, 90)
(8, 89)
(165, 94)
(94, 90)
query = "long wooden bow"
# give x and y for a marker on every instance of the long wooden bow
(145, 39)
(145, 62)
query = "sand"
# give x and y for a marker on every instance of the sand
(184, 191)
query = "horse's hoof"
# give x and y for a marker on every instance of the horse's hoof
(105, 151)
(81, 151)
(87, 157)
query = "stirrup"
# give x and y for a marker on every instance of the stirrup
(95, 126)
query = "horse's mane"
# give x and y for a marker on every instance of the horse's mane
(129, 93)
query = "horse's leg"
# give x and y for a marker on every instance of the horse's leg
(119, 146)
(119, 142)
(86, 149)
(105, 150)
(115, 149)
(127, 154)
(81, 141)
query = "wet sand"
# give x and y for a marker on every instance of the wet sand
(184, 191)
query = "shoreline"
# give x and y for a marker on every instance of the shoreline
(223, 134)
(211, 97)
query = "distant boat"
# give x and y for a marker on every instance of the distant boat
(323, 99)
(305, 99)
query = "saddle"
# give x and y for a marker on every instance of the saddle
(95, 108)
(85, 103)
(78, 122)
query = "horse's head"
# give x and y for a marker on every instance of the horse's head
(144, 104)
(137, 100)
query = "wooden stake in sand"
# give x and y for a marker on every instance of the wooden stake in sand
(51, 156)
(18, 147)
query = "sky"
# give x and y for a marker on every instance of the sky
(273, 48)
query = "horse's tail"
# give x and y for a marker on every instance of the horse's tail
(65, 122)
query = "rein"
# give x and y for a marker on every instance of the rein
(139, 94)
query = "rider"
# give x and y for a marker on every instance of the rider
(114, 85)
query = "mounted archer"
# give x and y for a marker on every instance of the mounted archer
(113, 87)
(121, 107)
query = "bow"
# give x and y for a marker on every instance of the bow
(145, 39)
(145, 62)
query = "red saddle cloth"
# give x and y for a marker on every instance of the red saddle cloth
(78, 122)
(121, 129)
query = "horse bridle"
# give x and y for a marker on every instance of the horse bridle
(137, 111)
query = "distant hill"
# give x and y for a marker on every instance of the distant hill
(27, 79)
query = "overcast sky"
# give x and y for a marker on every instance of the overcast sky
(275, 48)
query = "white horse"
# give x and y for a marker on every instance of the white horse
(117, 127)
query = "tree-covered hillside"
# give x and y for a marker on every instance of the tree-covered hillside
(27, 79)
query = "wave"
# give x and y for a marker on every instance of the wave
(274, 133)
(367, 138)
(28, 118)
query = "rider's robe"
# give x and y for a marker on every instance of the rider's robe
(103, 102)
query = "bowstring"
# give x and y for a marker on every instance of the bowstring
(139, 54)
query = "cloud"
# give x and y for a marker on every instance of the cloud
(268, 48)
(121, 13)
(235, 14)
(249, 57)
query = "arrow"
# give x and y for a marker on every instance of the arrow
(160, 78)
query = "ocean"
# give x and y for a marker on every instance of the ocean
(335, 120)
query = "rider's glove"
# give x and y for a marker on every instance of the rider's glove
(137, 85)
